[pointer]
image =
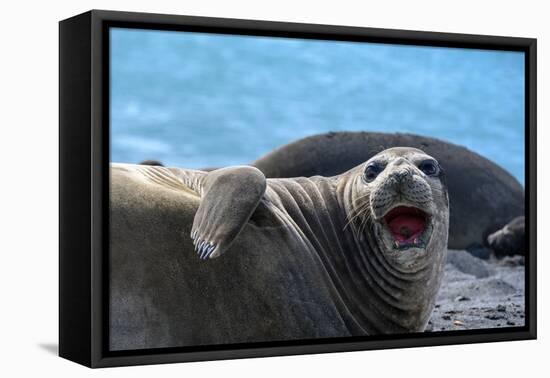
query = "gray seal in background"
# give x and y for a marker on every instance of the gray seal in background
(483, 196)
(510, 240)
(228, 256)
(155, 163)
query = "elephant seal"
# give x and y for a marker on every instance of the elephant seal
(483, 196)
(510, 240)
(361, 253)
(155, 163)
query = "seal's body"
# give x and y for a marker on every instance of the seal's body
(361, 253)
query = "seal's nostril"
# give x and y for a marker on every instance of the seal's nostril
(401, 175)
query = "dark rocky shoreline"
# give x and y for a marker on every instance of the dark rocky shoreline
(477, 294)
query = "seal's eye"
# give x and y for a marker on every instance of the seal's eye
(373, 170)
(429, 167)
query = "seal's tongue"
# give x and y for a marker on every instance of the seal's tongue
(406, 223)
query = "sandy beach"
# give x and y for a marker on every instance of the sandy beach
(478, 293)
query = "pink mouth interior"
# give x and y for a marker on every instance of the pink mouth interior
(406, 224)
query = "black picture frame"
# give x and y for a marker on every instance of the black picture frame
(84, 184)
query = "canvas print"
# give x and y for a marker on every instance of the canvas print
(275, 190)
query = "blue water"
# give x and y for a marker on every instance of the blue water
(196, 100)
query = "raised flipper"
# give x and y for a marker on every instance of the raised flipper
(229, 196)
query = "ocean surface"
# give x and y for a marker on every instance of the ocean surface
(202, 100)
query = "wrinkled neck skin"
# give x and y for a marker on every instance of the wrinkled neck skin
(379, 293)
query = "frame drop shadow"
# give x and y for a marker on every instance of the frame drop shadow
(52, 348)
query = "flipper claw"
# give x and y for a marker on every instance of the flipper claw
(203, 251)
(209, 250)
(200, 245)
(213, 251)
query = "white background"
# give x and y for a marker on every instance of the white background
(29, 185)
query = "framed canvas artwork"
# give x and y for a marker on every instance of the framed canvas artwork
(234, 188)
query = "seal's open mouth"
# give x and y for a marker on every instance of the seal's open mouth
(408, 227)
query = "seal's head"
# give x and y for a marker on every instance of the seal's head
(400, 203)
